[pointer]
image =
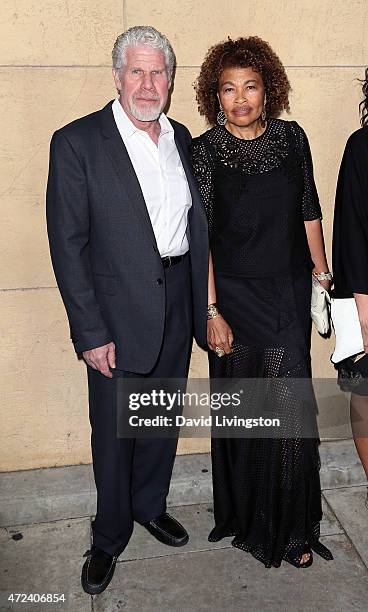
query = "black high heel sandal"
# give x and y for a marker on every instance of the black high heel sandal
(307, 551)
(298, 563)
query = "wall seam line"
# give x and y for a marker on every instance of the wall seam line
(179, 66)
(125, 24)
(27, 289)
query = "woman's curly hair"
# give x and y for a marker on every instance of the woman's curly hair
(251, 52)
(363, 106)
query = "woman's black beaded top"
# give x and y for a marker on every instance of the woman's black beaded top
(257, 156)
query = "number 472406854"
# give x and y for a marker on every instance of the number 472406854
(36, 597)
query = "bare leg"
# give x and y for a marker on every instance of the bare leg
(359, 426)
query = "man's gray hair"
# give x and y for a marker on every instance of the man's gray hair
(143, 35)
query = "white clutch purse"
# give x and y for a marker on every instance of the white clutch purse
(320, 307)
(348, 334)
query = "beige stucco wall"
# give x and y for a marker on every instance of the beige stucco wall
(55, 59)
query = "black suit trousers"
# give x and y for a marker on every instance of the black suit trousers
(133, 475)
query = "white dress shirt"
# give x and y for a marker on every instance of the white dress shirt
(162, 179)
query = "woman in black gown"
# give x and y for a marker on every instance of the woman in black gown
(350, 266)
(256, 179)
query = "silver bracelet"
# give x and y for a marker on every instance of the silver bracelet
(323, 275)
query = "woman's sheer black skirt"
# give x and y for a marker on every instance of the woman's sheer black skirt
(267, 492)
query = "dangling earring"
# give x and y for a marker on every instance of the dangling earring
(221, 117)
(263, 113)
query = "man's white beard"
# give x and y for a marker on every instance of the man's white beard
(151, 113)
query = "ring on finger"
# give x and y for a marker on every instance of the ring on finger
(219, 351)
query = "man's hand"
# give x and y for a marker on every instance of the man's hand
(101, 358)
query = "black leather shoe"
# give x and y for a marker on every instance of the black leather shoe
(97, 571)
(167, 530)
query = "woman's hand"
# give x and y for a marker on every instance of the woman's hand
(219, 334)
(326, 284)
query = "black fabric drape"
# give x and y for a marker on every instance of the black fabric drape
(350, 233)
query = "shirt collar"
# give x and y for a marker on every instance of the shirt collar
(127, 128)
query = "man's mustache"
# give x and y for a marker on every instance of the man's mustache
(150, 98)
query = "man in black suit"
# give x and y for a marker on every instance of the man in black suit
(129, 246)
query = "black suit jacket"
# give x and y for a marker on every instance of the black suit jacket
(103, 248)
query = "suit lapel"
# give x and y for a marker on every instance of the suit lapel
(196, 198)
(124, 169)
(123, 166)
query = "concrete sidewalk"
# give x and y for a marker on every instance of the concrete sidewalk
(46, 556)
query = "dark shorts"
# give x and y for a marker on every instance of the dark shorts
(353, 376)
